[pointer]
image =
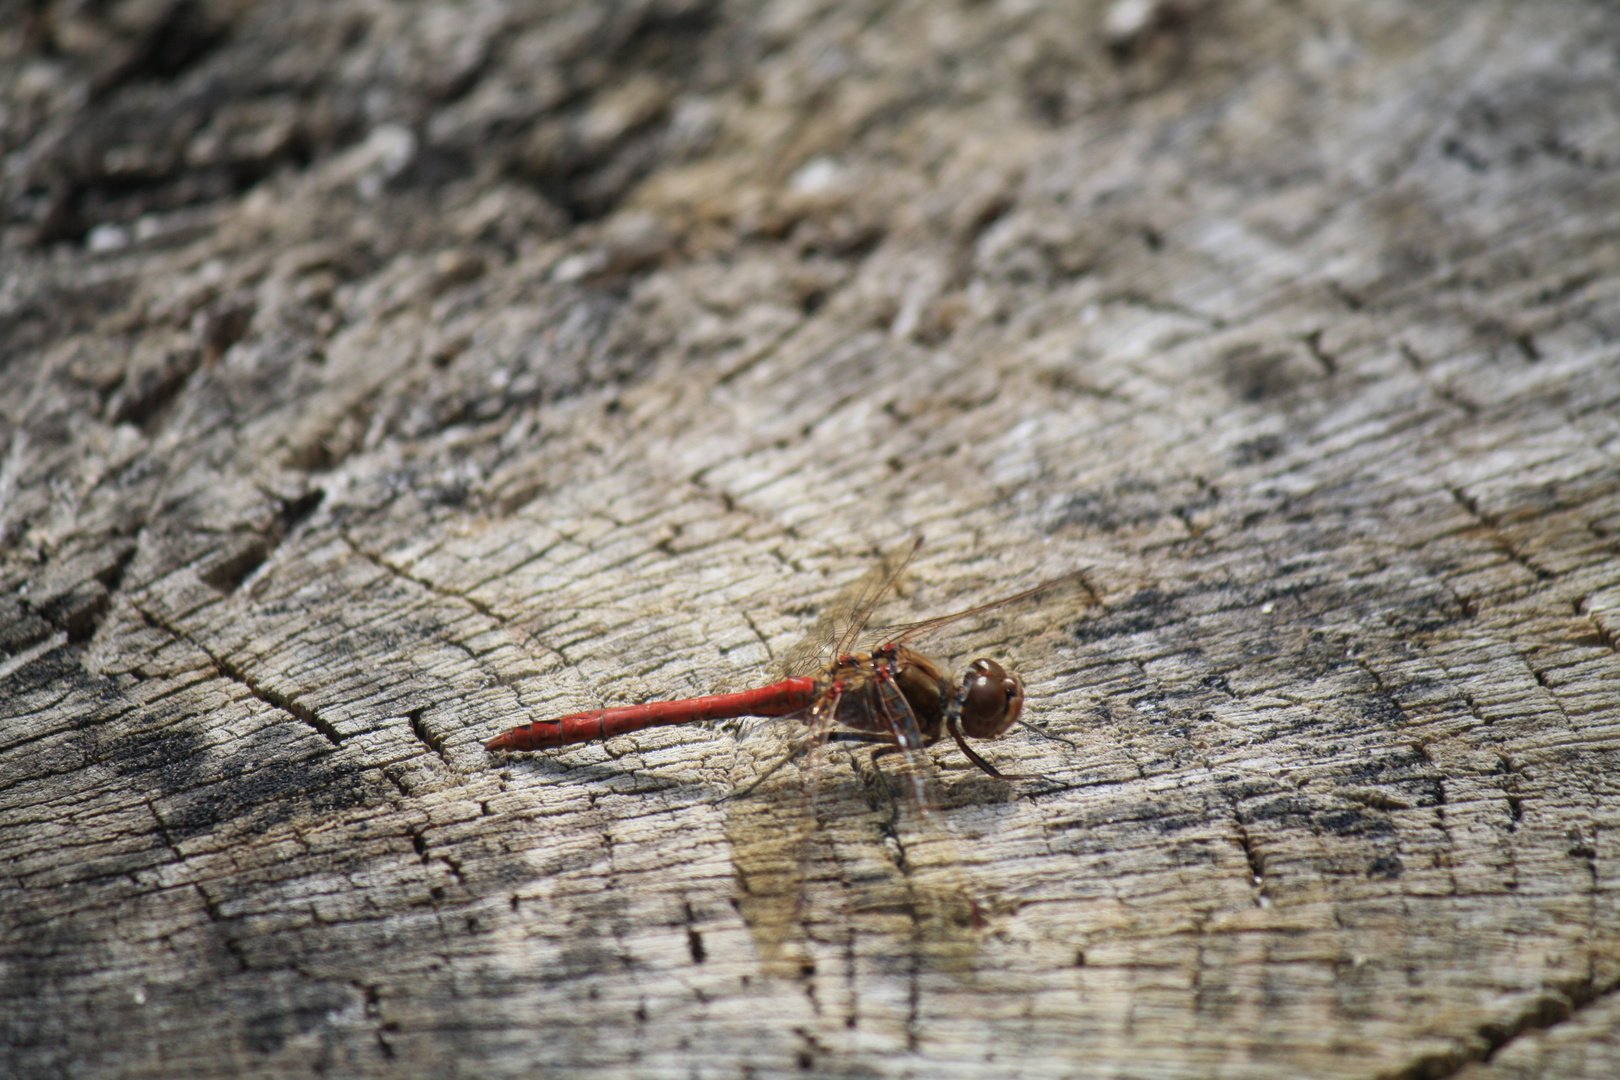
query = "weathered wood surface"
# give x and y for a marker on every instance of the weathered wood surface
(378, 377)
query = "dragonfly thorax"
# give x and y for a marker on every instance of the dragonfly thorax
(860, 678)
(983, 705)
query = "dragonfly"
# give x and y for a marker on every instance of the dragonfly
(891, 697)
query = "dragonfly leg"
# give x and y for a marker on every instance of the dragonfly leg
(956, 733)
(881, 744)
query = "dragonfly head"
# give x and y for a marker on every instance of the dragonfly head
(991, 698)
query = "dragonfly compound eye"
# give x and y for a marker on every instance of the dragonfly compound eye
(991, 699)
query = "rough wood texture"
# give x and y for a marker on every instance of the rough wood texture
(375, 377)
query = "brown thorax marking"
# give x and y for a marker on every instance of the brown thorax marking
(918, 678)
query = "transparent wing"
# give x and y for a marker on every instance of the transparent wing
(912, 760)
(1074, 587)
(778, 740)
(838, 626)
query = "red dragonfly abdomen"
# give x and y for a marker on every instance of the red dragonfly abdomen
(777, 699)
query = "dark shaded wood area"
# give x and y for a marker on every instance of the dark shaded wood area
(376, 377)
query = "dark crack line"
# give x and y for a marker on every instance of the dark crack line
(1600, 633)
(229, 670)
(1325, 359)
(1257, 863)
(163, 827)
(1540, 678)
(1553, 1006)
(231, 944)
(770, 655)
(1445, 393)
(78, 623)
(431, 586)
(32, 649)
(1490, 521)
(449, 594)
(426, 736)
(694, 938)
(893, 844)
(418, 835)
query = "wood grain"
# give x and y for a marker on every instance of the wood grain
(374, 379)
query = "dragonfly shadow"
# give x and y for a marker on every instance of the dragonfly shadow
(615, 775)
(832, 869)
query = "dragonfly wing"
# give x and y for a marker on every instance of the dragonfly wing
(774, 741)
(842, 621)
(881, 582)
(901, 725)
(1070, 591)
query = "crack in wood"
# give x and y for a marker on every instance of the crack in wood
(75, 609)
(1328, 362)
(143, 398)
(163, 826)
(232, 945)
(237, 674)
(1445, 393)
(1256, 862)
(427, 736)
(451, 594)
(1601, 634)
(1554, 1005)
(228, 575)
(424, 852)
(1501, 542)
(431, 586)
(770, 654)
(32, 649)
(694, 939)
